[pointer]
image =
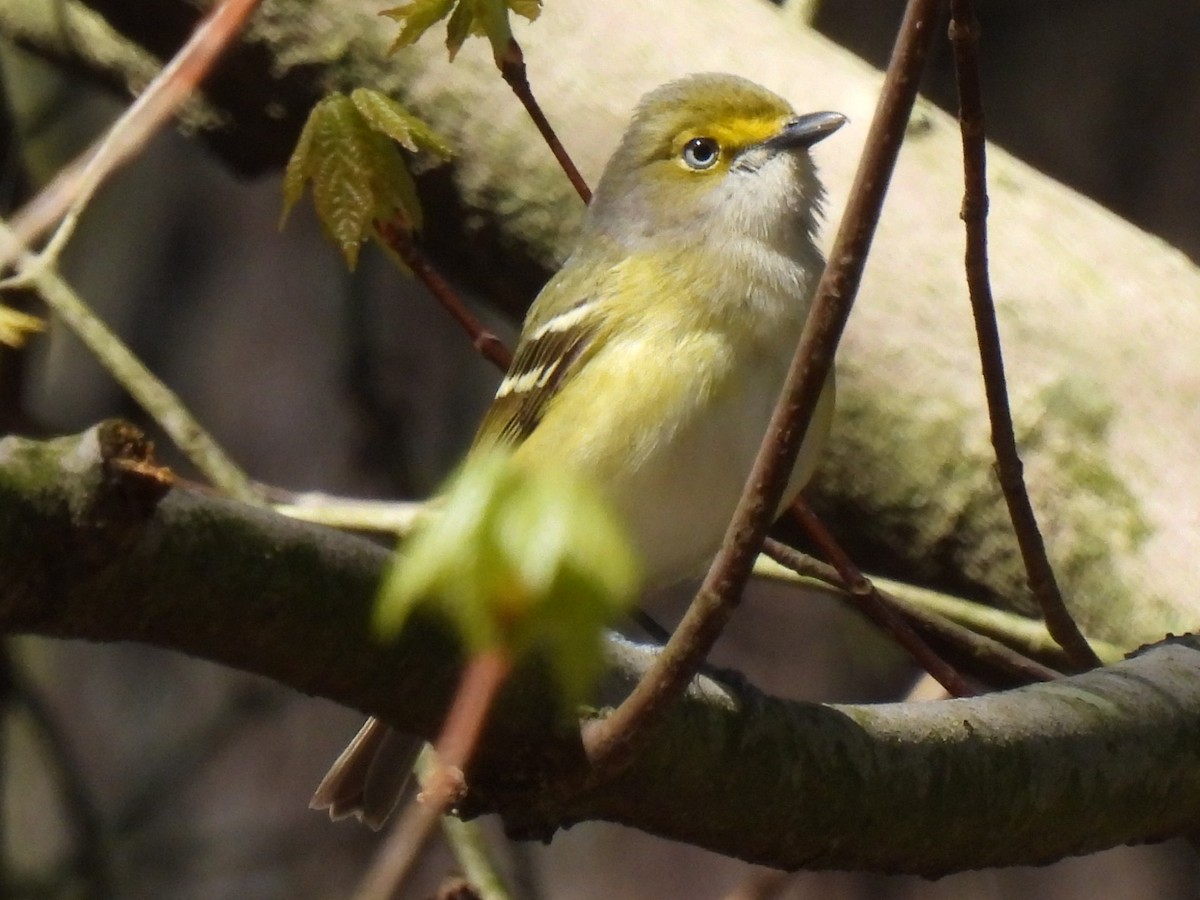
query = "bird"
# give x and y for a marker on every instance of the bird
(651, 362)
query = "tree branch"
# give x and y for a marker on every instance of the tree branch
(908, 483)
(964, 38)
(87, 551)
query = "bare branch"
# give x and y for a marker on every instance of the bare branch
(490, 347)
(869, 600)
(1020, 777)
(72, 188)
(964, 36)
(512, 67)
(986, 652)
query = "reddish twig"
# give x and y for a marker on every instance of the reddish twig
(477, 689)
(512, 67)
(964, 37)
(867, 598)
(480, 681)
(991, 654)
(488, 344)
(611, 741)
(157, 103)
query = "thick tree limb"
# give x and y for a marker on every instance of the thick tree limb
(87, 550)
(1097, 318)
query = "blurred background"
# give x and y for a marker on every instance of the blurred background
(127, 772)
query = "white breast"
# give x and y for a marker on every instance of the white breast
(681, 499)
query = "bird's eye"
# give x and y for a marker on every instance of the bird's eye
(701, 153)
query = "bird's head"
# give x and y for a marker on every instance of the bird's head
(712, 154)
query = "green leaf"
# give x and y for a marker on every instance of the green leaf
(527, 561)
(358, 174)
(395, 193)
(482, 18)
(529, 9)
(492, 16)
(299, 168)
(390, 117)
(342, 180)
(417, 18)
(461, 25)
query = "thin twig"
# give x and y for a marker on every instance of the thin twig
(399, 852)
(481, 680)
(989, 652)
(1027, 637)
(512, 67)
(151, 394)
(390, 517)
(610, 742)
(964, 37)
(475, 858)
(69, 192)
(867, 598)
(68, 195)
(487, 343)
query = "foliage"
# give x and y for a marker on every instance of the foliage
(482, 18)
(520, 560)
(359, 178)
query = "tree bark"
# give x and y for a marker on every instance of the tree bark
(1098, 318)
(91, 548)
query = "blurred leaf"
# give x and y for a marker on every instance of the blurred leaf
(358, 175)
(417, 18)
(483, 18)
(16, 326)
(522, 560)
(528, 9)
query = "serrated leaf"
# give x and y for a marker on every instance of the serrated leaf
(461, 25)
(342, 178)
(344, 206)
(417, 18)
(395, 193)
(357, 173)
(16, 326)
(391, 118)
(483, 18)
(299, 168)
(525, 561)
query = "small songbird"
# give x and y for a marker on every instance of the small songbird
(651, 363)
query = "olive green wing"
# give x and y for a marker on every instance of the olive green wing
(547, 357)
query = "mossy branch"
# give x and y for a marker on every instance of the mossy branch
(907, 482)
(91, 549)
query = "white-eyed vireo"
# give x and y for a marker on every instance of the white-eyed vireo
(651, 362)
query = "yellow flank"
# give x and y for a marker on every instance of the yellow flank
(607, 441)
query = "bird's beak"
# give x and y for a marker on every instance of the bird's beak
(804, 131)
